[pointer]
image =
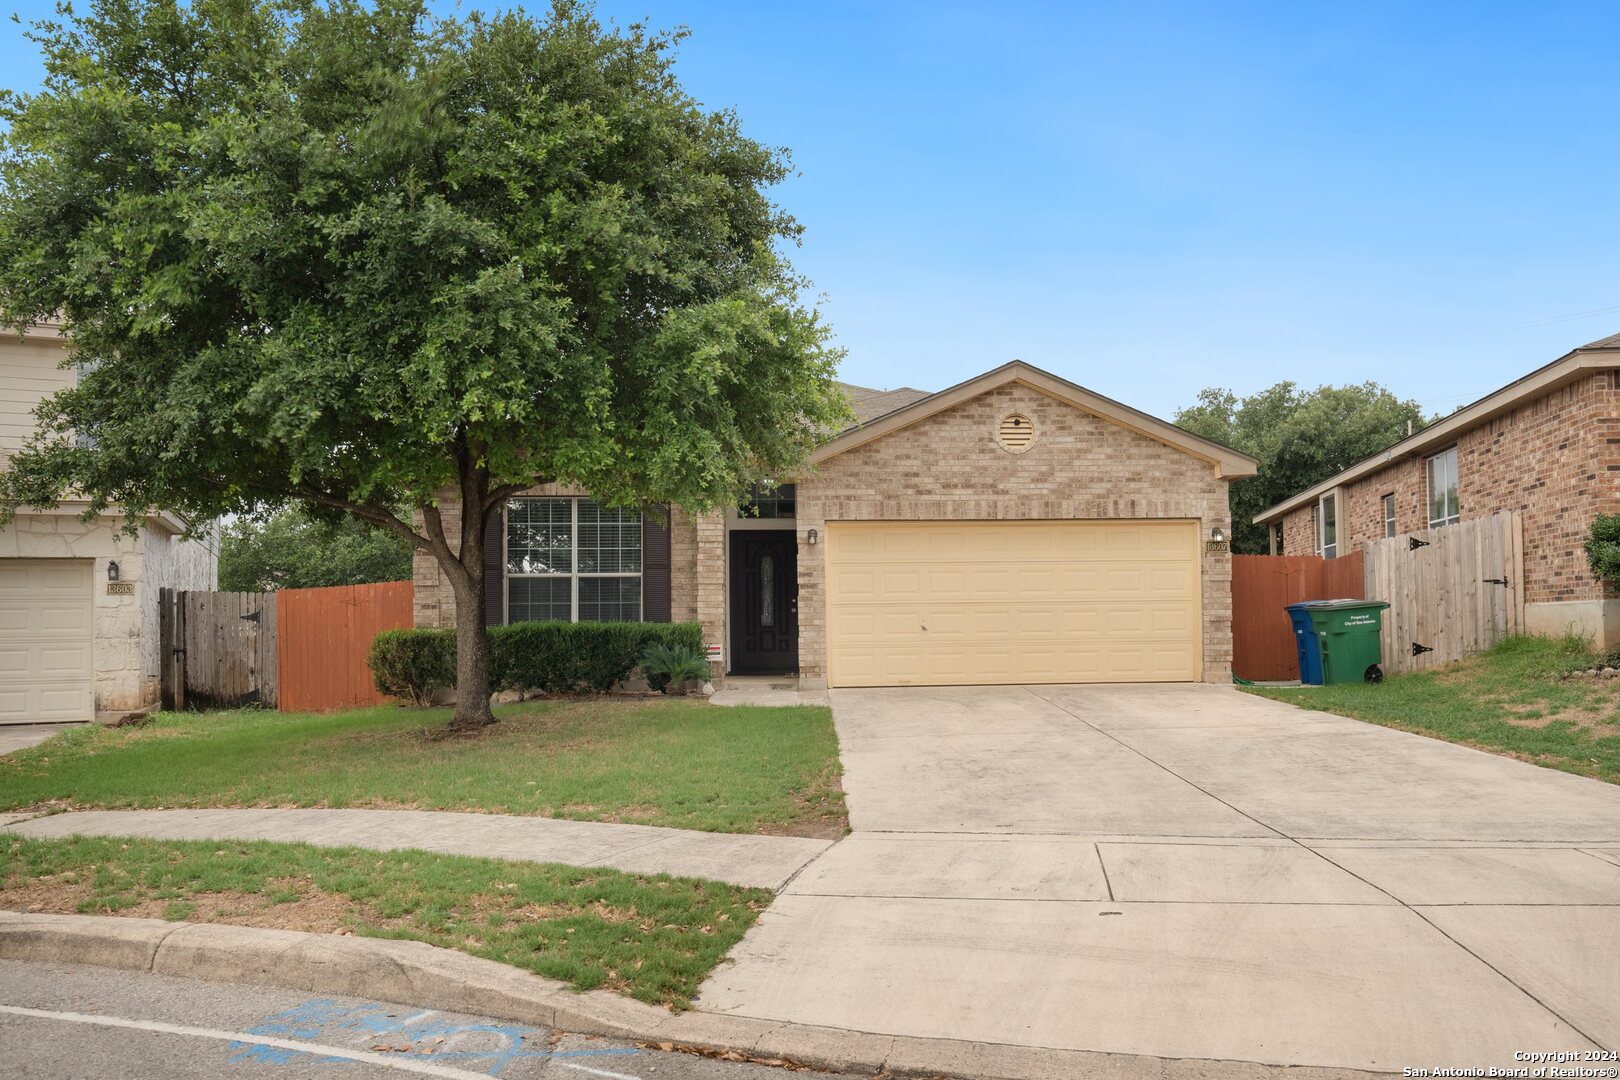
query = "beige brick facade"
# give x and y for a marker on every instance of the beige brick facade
(947, 467)
(1555, 458)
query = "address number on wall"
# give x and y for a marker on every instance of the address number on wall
(120, 588)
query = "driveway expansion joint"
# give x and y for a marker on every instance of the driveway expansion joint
(1268, 885)
(1340, 866)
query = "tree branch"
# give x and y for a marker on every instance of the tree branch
(377, 515)
(437, 544)
(499, 495)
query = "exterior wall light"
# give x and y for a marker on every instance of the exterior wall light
(1217, 535)
(812, 537)
(112, 571)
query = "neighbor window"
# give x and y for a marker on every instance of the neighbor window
(572, 559)
(1389, 514)
(1327, 531)
(84, 440)
(1443, 489)
(770, 501)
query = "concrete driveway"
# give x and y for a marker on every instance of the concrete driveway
(1191, 872)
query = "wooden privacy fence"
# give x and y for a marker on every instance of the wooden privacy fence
(218, 649)
(324, 638)
(1457, 591)
(300, 650)
(1262, 587)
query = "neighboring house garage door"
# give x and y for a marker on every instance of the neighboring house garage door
(45, 640)
(940, 603)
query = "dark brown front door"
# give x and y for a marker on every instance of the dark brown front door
(764, 602)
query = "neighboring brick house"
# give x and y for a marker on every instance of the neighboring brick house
(1014, 528)
(73, 641)
(1547, 445)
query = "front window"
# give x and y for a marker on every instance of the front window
(572, 559)
(1328, 527)
(1389, 514)
(770, 501)
(1443, 508)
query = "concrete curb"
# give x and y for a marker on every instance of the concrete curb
(412, 972)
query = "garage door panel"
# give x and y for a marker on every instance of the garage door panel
(1071, 601)
(852, 581)
(68, 660)
(64, 618)
(46, 640)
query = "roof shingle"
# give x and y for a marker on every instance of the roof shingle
(869, 404)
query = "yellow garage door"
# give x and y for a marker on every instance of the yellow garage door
(46, 666)
(936, 603)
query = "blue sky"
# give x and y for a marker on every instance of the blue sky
(1149, 198)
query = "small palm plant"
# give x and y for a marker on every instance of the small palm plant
(668, 666)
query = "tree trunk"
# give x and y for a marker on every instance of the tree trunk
(472, 664)
(472, 640)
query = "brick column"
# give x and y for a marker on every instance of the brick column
(710, 574)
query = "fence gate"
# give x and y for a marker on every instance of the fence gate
(324, 639)
(1263, 646)
(1451, 591)
(219, 649)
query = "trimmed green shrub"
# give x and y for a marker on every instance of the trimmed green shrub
(666, 664)
(549, 657)
(1603, 548)
(412, 664)
(564, 657)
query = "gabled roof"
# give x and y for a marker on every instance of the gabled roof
(1599, 355)
(1227, 463)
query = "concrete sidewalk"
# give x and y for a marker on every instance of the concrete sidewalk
(765, 862)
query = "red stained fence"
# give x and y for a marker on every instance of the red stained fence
(323, 637)
(1262, 586)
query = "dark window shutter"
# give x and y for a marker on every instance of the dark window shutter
(655, 568)
(495, 568)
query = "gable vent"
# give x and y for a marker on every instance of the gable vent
(1016, 433)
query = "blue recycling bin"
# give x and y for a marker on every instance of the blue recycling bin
(1305, 640)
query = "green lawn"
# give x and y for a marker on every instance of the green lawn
(651, 937)
(1514, 700)
(685, 764)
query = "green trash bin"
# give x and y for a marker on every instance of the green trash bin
(1347, 632)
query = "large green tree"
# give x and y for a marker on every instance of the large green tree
(291, 550)
(355, 257)
(1300, 437)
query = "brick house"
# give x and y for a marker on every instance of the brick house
(1546, 445)
(78, 599)
(1014, 528)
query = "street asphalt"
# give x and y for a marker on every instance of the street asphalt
(72, 1022)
